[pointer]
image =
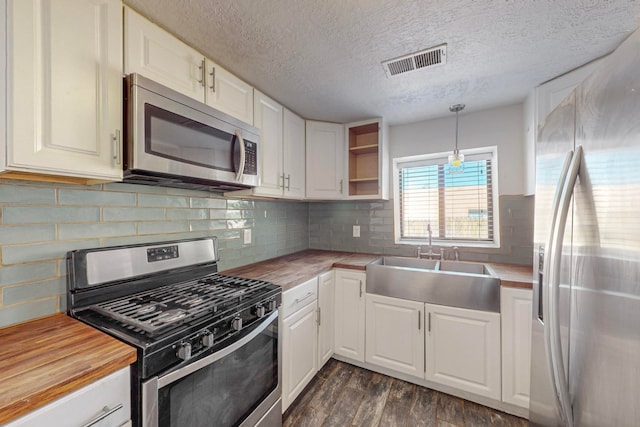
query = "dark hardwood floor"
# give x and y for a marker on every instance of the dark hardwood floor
(344, 395)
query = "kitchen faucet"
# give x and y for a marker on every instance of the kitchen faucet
(430, 254)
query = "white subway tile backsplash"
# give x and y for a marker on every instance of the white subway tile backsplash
(153, 200)
(97, 198)
(11, 275)
(27, 233)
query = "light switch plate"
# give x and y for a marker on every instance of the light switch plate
(356, 231)
(247, 236)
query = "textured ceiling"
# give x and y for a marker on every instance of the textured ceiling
(322, 58)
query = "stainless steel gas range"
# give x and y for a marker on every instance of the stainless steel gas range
(208, 347)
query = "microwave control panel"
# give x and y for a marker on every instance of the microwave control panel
(251, 158)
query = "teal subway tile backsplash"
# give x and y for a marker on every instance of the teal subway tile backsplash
(40, 222)
(161, 200)
(48, 214)
(27, 273)
(27, 233)
(92, 197)
(16, 194)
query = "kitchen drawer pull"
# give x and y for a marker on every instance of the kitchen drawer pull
(419, 320)
(288, 182)
(360, 288)
(299, 300)
(105, 413)
(429, 328)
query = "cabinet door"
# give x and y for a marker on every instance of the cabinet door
(350, 314)
(299, 352)
(294, 155)
(65, 87)
(463, 349)
(395, 334)
(267, 115)
(326, 314)
(151, 51)
(85, 406)
(325, 160)
(516, 309)
(228, 93)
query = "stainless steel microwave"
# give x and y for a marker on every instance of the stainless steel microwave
(175, 141)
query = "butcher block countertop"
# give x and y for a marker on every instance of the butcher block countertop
(291, 270)
(47, 358)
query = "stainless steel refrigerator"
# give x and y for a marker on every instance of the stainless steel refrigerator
(585, 362)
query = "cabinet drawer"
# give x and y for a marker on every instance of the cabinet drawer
(86, 406)
(296, 298)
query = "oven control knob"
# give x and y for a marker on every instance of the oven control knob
(260, 311)
(184, 351)
(236, 324)
(272, 305)
(207, 340)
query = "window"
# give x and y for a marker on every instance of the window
(460, 207)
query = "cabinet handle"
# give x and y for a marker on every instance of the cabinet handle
(360, 288)
(288, 182)
(319, 313)
(104, 414)
(419, 320)
(202, 73)
(299, 300)
(429, 328)
(341, 185)
(116, 148)
(282, 178)
(213, 79)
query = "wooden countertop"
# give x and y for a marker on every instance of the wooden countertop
(291, 270)
(47, 358)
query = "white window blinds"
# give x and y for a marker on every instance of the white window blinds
(458, 206)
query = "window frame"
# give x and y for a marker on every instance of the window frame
(399, 161)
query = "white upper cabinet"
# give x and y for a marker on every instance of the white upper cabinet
(293, 151)
(325, 161)
(463, 349)
(368, 160)
(542, 101)
(64, 88)
(156, 54)
(228, 93)
(268, 117)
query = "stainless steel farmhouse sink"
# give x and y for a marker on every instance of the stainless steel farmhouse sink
(454, 283)
(396, 261)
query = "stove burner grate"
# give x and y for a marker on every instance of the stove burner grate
(159, 309)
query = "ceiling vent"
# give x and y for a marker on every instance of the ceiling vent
(416, 61)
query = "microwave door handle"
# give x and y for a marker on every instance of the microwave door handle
(240, 170)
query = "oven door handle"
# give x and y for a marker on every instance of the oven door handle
(199, 364)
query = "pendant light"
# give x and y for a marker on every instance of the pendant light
(456, 160)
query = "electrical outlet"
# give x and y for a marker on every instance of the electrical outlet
(356, 231)
(247, 236)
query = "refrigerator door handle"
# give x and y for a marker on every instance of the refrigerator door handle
(552, 325)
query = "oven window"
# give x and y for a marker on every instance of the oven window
(175, 137)
(225, 392)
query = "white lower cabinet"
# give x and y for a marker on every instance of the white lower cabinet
(326, 295)
(299, 352)
(463, 349)
(350, 314)
(516, 309)
(395, 334)
(104, 403)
